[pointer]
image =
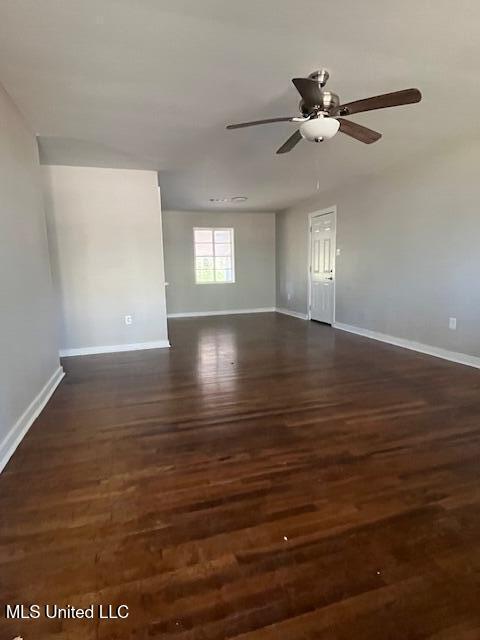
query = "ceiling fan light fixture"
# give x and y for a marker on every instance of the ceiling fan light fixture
(318, 129)
(322, 114)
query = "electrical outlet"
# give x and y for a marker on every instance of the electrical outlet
(128, 320)
(452, 323)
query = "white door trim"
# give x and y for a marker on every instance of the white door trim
(314, 214)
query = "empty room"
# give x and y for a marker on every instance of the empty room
(239, 320)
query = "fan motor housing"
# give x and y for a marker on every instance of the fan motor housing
(329, 104)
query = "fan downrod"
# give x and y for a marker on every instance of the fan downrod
(321, 76)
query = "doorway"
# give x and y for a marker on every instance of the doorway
(321, 268)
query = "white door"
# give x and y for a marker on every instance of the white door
(322, 267)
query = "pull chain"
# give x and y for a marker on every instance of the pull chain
(317, 165)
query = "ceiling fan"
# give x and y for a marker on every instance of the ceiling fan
(322, 114)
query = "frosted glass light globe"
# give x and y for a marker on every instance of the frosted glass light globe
(321, 128)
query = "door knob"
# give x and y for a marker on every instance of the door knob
(330, 278)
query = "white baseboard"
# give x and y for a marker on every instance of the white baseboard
(230, 312)
(31, 413)
(294, 314)
(114, 348)
(438, 352)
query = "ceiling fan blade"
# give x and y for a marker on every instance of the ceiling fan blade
(358, 131)
(309, 90)
(397, 98)
(255, 122)
(290, 143)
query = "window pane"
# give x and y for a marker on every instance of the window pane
(220, 275)
(223, 249)
(203, 235)
(228, 275)
(204, 263)
(203, 249)
(205, 275)
(223, 263)
(222, 235)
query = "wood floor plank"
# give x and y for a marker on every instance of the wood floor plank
(264, 478)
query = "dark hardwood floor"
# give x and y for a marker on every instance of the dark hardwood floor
(266, 478)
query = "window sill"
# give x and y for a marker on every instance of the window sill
(210, 283)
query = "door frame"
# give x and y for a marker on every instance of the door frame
(314, 214)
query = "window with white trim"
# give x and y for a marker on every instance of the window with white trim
(214, 255)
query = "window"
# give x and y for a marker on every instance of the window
(214, 256)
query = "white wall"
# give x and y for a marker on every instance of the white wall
(105, 237)
(409, 243)
(254, 285)
(28, 341)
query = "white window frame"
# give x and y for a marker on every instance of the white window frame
(231, 230)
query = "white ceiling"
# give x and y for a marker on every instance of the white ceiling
(152, 84)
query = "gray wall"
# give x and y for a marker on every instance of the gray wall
(410, 251)
(105, 237)
(254, 262)
(28, 341)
